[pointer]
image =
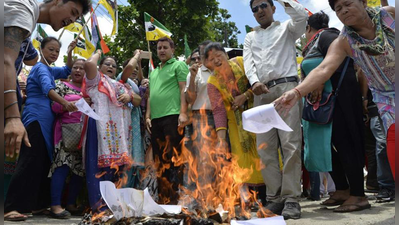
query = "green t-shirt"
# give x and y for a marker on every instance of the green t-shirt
(164, 88)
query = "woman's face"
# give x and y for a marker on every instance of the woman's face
(78, 71)
(51, 51)
(350, 11)
(134, 73)
(145, 82)
(216, 59)
(109, 67)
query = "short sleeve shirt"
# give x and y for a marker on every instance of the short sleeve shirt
(21, 13)
(164, 88)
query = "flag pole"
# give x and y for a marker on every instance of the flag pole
(77, 36)
(62, 32)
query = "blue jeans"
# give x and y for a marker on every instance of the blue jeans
(384, 174)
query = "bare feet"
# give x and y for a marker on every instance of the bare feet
(14, 216)
(354, 203)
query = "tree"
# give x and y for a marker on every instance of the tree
(225, 31)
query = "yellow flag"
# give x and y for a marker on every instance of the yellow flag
(74, 27)
(373, 3)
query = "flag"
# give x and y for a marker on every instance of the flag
(187, 51)
(75, 27)
(150, 66)
(154, 30)
(40, 35)
(97, 39)
(84, 48)
(373, 3)
(110, 5)
(248, 28)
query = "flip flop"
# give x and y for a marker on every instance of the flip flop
(15, 216)
(43, 212)
(335, 202)
(351, 208)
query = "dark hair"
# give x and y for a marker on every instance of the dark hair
(318, 20)
(76, 60)
(213, 46)
(194, 51)
(171, 43)
(270, 3)
(47, 40)
(204, 44)
(86, 4)
(107, 57)
(332, 4)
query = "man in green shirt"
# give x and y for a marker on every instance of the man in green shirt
(166, 112)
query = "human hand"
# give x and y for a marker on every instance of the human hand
(148, 124)
(194, 69)
(70, 106)
(365, 109)
(88, 100)
(316, 95)
(72, 45)
(284, 103)
(14, 133)
(259, 88)
(137, 53)
(125, 98)
(239, 100)
(183, 120)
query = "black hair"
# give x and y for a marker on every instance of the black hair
(194, 51)
(270, 3)
(47, 40)
(171, 43)
(86, 4)
(107, 57)
(332, 4)
(213, 46)
(318, 20)
(76, 60)
(204, 44)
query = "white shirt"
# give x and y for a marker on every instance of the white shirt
(201, 80)
(21, 13)
(270, 53)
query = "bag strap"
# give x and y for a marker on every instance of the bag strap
(342, 76)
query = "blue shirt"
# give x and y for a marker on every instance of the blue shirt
(38, 104)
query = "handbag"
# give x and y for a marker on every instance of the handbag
(71, 133)
(322, 112)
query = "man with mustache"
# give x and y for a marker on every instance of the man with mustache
(270, 65)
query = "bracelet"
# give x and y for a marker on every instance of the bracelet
(10, 105)
(12, 117)
(10, 91)
(298, 92)
(245, 93)
(121, 81)
(147, 118)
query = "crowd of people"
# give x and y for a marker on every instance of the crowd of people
(56, 151)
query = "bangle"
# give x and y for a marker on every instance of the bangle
(298, 92)
(5, 108)
(10, 91)
(121, 81)
(245, 93)
(12, 117)
(147, 118)
(364, 98)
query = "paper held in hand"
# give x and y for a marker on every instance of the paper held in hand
(86, 109)
(263, 118)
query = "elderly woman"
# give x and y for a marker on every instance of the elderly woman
(368, 37)
(67, 160)
(109, 139)
(230, 95)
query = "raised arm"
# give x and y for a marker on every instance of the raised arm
(71, 46)
(14, 130)
(91, 65)
(298, 14)
(129, 68)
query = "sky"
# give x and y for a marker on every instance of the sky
(239, 10)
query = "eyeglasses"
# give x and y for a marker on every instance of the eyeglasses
(262, 5)
(110, 64)
(195, 58)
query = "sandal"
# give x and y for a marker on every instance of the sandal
(42, 212)
(351, 208)
(333, 202)
(62, 215)
(15, 216)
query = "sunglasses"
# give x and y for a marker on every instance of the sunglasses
(195, 58)
(262, 5)
(110, 64)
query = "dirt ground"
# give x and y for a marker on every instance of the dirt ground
(312, 213)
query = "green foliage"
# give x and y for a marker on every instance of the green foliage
(225, 31)
(66, 58)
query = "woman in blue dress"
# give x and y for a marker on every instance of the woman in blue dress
(34, 161)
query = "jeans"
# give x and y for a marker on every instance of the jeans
(384, 174)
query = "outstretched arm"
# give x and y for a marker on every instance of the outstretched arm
(91, 65)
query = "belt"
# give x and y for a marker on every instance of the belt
(273, 83)
(206, 111)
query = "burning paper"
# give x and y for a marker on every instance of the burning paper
(86, 109)
(263, 118)
(277, 220)
(129, 202)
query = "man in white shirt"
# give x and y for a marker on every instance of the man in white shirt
(270, 65)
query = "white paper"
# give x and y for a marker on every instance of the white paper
(86, 109)
(263, 118)
(277, 220)
(129, 202)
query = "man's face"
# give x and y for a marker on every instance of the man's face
(62, 14)
(263, 12)
(195, 58)
(164, 51)
(349, 11)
